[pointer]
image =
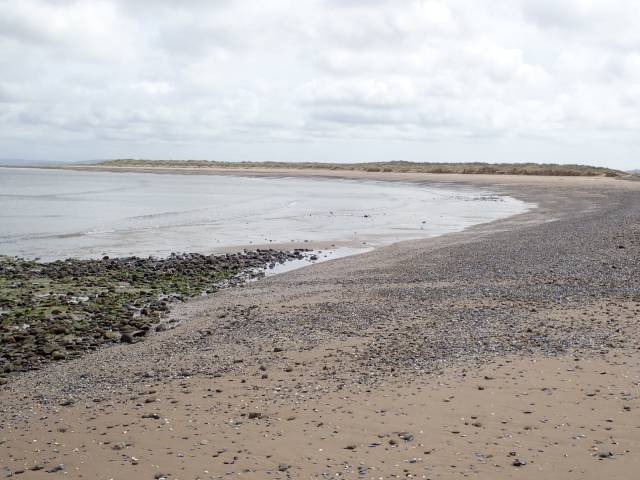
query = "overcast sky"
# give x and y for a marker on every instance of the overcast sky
(311, 80)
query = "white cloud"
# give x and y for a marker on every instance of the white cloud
(362, 92)
(290, 80)
(152, 88)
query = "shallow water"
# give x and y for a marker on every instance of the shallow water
(57, 213)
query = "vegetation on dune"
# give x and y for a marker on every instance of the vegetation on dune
(396, 166)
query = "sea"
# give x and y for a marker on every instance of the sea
(53, 214)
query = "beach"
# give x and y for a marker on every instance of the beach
(509, 349)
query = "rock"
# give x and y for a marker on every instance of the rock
(57, 468)
(518, 463)
(89, 307)
(406, 436)
(253, 415)
(283, 467)
(127, 337)
(58, 355)
(49, 348)
(111, 335)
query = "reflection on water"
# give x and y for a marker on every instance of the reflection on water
(56, 213)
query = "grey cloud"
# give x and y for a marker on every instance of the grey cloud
(92, 78)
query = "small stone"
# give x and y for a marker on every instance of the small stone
(49, 348)
(58, 355)
(111, 335)
(57, 468)
(127, 338)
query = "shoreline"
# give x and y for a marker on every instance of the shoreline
(491, 307)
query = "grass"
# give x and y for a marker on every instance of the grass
(548, 169)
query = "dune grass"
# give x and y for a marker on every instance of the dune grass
(548, 169)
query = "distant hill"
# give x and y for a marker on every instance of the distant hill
(549, 169)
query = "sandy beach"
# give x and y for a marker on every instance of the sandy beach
(508, 350)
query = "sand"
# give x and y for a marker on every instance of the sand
(510, 350)
(566, 417)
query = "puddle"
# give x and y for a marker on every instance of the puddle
(311, 257)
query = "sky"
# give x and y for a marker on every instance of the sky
(333, 81)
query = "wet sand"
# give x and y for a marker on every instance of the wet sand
(510, 350)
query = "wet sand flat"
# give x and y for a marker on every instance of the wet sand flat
(509, 350)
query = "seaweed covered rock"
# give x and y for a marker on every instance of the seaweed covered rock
(58, 310)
